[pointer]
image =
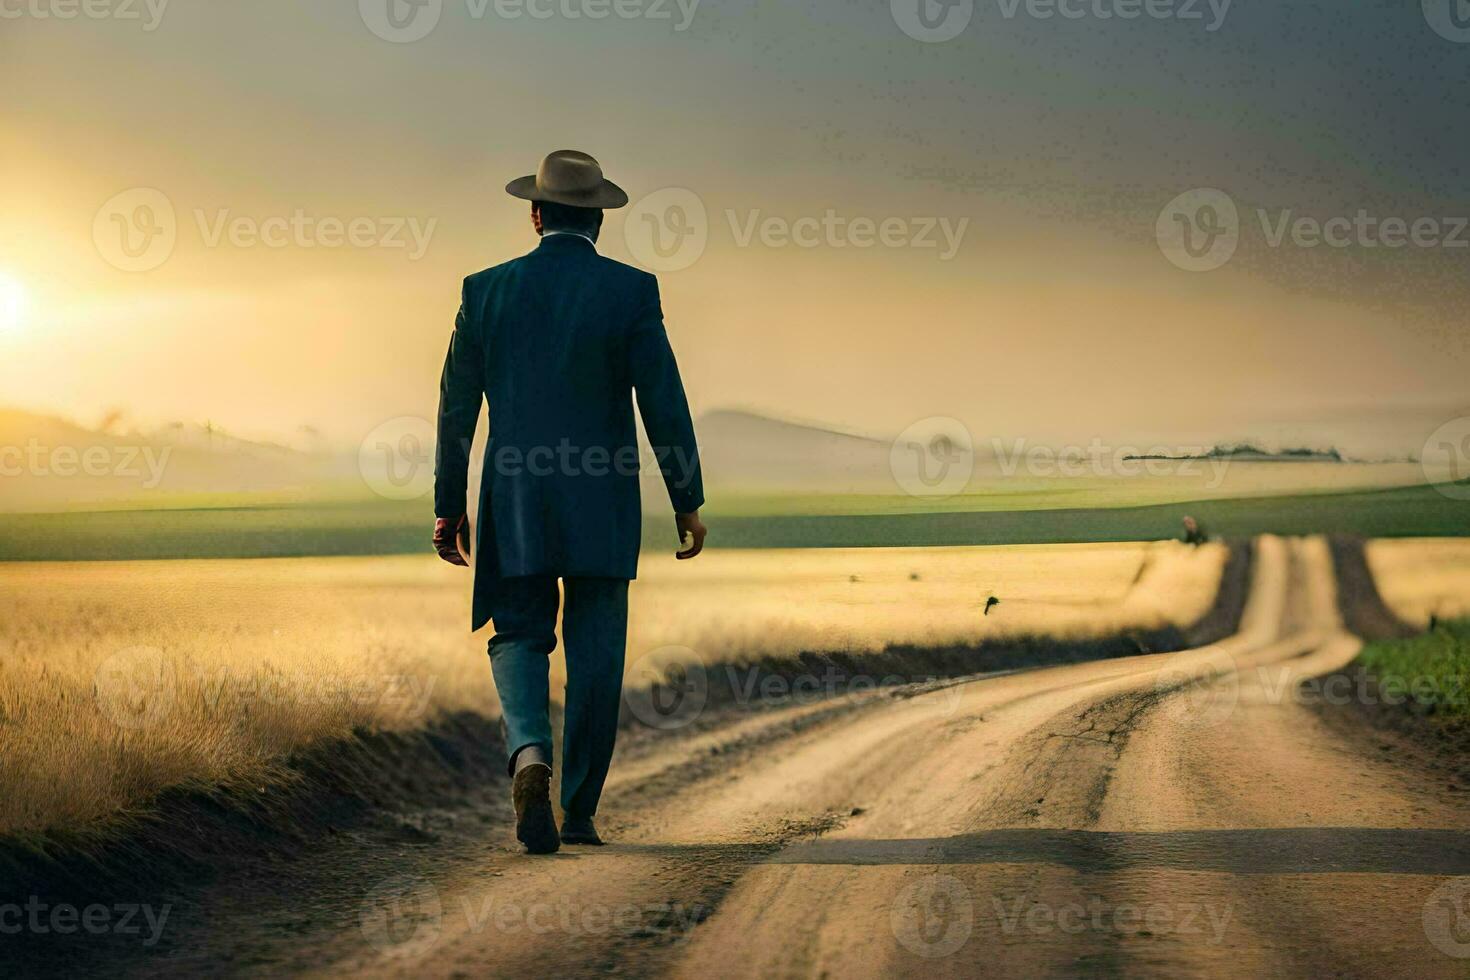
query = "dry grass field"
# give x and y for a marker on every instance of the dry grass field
(120, 680)
(1420, 577)
(743, 604)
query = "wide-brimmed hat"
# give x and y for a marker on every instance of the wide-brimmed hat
(569, 177)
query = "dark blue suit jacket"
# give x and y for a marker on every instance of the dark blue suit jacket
(558, 341)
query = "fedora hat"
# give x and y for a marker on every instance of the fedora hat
(569, 177)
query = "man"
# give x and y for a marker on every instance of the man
(1194, 532)
(558, 341)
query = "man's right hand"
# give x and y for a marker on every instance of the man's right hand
(446, 531)
(691, 534)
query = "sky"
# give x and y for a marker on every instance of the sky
(1021, 172)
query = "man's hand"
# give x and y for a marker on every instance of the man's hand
(691, 533)
(446, 531)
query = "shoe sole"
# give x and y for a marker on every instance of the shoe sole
(535, 823)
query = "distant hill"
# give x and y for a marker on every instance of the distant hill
(746, 452)
(18, 428)
(52, 464)
(48, 463)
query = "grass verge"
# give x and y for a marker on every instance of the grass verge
(1406, 699)
(1428, 675)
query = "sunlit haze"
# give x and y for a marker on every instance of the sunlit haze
(13, 302)
(1047, 148)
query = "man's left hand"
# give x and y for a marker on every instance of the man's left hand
(446, 531)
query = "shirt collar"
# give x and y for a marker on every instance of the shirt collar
(575, 234)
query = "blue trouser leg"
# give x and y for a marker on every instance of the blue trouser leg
(595, 631)
(524, 614)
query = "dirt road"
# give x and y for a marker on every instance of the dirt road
(1175, 814)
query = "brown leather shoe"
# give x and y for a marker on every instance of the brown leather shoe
(579, 830)
(530, 793)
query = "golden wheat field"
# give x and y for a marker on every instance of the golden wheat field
(1420, 577)
(751, 603)
(121, 679)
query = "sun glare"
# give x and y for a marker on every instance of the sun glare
(12, 303)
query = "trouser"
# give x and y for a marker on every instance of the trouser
(595, 630)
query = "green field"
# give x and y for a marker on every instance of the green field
(1432, 670)
(1420, 511)
(261, 530)
(241, 531)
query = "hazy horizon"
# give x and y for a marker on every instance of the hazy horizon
(1045, 149)
(1358, 445)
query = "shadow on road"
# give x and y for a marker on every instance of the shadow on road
(1275, 850)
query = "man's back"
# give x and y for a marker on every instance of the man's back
(559, 317)
(558, 341)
